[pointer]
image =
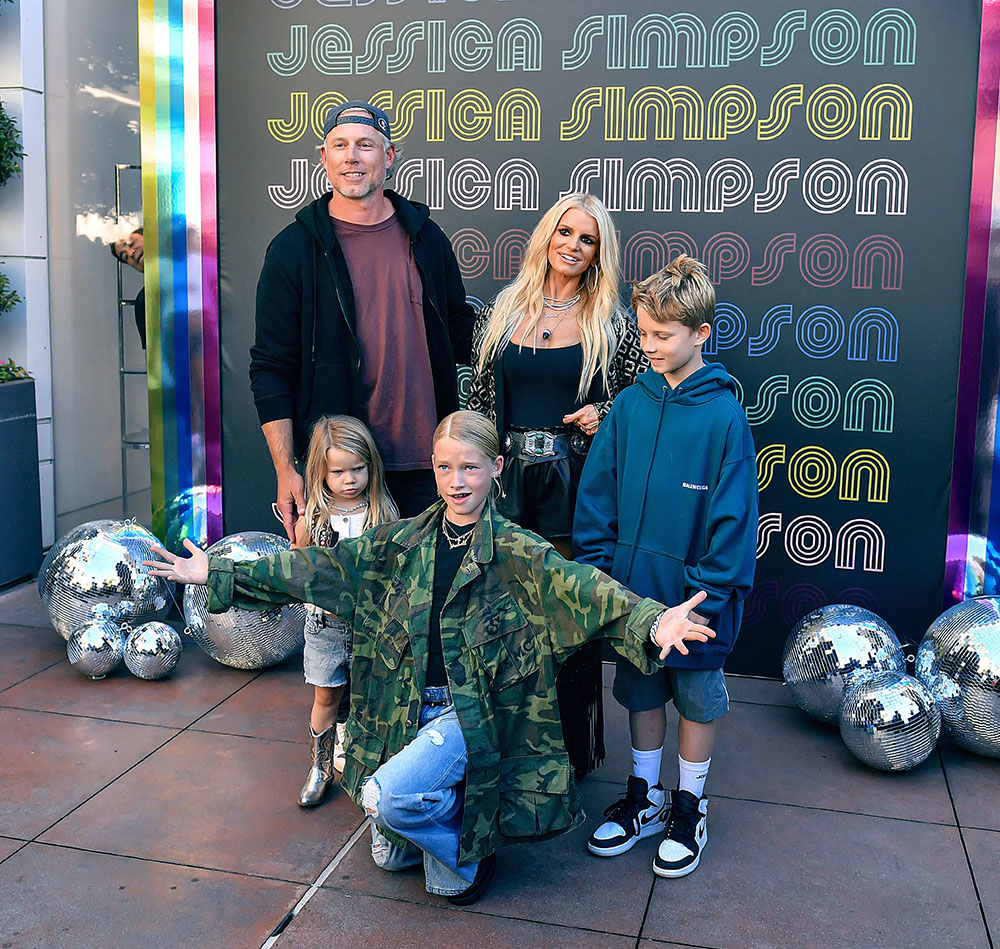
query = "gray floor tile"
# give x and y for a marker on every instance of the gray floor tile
(52, 763)
(777, 876)
(57, 898)
(216, 801)
(341, 918)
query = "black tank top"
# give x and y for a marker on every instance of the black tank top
(540, 387)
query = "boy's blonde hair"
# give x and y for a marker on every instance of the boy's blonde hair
(681, 292)
(347, 434)
(599, 302)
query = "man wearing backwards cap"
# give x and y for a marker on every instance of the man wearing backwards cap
(361, 311)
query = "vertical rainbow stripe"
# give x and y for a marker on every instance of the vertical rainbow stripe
(177, 137)
(974, 515)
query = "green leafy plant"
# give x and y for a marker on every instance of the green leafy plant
(10, 371)
(8, 295)
(10, 147)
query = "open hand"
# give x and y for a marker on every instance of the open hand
(676, 626)
(193, 569)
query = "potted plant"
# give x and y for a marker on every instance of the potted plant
(20, 503)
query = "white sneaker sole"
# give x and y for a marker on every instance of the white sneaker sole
(648, 831)
(683, 871)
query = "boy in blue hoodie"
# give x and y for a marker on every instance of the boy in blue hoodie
(668, 505)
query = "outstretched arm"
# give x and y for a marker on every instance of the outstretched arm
(193, 569)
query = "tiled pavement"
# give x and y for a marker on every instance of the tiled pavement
(162, 814)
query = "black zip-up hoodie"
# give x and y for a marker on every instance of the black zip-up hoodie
(305, 359)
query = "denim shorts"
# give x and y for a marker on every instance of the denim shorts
(699, 695)
(326, 658)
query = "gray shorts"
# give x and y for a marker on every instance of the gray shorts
(699, 695)
(326, 658)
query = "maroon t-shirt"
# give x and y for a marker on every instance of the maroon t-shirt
(397, 388)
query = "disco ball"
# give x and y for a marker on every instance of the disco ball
(96, 570)
(830, 649)
(959, 661)
(890, 721)
(245, 639)
(152, 650)
(95, 648)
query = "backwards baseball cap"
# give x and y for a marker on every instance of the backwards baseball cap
(376, 118)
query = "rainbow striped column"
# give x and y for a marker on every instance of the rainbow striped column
(177, 136)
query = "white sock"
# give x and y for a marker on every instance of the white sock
(646, 765)
(692, 775)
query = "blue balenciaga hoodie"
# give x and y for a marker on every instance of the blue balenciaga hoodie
(668, 501)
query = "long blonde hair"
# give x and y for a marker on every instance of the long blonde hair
(599, 334)
(346, 434)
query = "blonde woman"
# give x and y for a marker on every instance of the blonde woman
(549, 356)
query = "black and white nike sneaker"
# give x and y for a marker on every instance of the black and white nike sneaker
(640, 813)
(685, 837)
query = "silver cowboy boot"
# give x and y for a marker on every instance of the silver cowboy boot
(321, 773)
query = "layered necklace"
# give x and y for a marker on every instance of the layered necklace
(455, 535)
(559, 308)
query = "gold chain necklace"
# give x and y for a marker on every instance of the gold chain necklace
(455, 540)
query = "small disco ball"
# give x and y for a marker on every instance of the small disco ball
(890, 721)
(830, 649)
(95, 648)
(95, 570)
(152, 650)
(245, 639)
(959, 661)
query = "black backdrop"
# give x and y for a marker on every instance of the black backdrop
(818, 161)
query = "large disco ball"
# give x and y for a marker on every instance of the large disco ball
(959, 661)
(245, 639)
(830, 649)
(95, 648)
(152, 650)
(890, 721)
(96, 570)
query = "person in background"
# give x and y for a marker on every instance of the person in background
(130, 250)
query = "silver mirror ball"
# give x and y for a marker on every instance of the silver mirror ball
(152, 650)
(959, 661)
(245, 639)
(890, 721)
(830, 649)
(96, 571)
(95, 648)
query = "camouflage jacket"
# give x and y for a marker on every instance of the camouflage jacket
(514, 613)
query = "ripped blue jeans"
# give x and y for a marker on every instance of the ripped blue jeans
(418, 795)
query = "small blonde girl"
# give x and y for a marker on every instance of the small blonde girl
(346, 494)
